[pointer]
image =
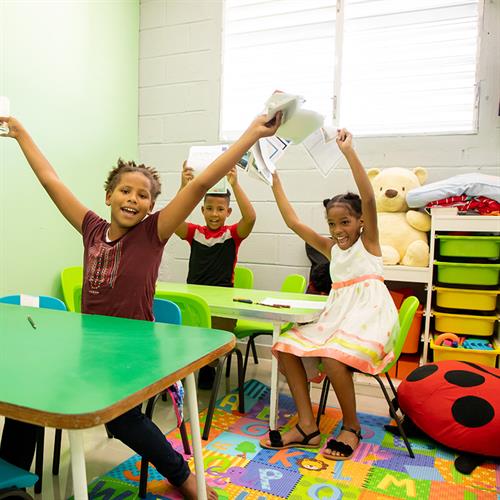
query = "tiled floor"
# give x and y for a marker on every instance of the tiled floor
(102, 453)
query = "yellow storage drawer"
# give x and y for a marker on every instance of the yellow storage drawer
(458, 298)
(482, 357)
(464, 323)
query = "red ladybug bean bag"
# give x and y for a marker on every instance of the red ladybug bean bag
(457, 403)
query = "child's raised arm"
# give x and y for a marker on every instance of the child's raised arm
(188, 197)
(368, 205)
(248, 216)
(64, 199)
(320, 243)
(186, 176)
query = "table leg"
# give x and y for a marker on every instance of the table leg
(273, 398)
(196, 436)
(78, 465)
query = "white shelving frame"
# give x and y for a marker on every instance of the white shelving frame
(447, 219)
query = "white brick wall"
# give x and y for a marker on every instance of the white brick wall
(180, 53)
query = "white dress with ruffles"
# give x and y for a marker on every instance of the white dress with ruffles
(359, 323)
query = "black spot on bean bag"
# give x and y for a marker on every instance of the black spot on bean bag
(464, 378)
(421, 373)
(471, 411)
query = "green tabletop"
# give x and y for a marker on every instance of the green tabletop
(77, 370)
(220, 301)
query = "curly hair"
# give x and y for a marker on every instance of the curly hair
(123, 167)
(352, 200)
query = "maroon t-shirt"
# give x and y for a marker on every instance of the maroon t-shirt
(120, 277)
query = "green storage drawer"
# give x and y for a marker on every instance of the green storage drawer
(485, 247)
(467, 274)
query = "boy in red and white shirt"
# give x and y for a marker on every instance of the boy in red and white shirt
(214, 247)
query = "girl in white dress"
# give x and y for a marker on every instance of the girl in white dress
(359, 324)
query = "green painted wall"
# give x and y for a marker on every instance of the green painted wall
(70, 70)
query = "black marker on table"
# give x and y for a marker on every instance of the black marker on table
(245, 301)
(31, 322)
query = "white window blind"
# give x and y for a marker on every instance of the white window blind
(402, 67)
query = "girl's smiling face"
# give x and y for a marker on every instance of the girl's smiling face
(130, 200)
(345, 226)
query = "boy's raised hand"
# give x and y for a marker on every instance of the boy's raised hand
(262, 127)
(186, 174)
(14, 125)
(344, 140)
(232, 177)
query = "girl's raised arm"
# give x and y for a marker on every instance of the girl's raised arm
(187, 198)
(320, 243)
(67, 203)
(368, 205)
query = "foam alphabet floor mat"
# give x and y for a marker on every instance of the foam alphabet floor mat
(239, 469)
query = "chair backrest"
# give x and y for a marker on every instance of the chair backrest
(42, 301)
(14, 477)
(194, 309)
(243, 277)
(71, 280)
(166, 311)
(77, 294)
(406, 314)
(295, 283)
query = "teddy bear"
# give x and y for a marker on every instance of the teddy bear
(402, 232)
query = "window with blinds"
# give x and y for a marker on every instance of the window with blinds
(378, 67)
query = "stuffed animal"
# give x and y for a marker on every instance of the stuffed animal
(456, 403)
(402, 231)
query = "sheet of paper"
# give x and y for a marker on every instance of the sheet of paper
(302, 304)
(323, 150)
(286, 103)
(260, 166)
(297, 123)
(264, 153)
(301, 125)
(200, 157)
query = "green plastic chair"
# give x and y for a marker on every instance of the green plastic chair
(243, 277)
(406, 314)
(71, 283)
(195, 312)
(194, 309)
(293, 283)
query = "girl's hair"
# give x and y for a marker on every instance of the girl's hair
(124, 167)
(352, 200)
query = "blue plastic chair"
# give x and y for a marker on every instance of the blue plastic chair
(166, 311)
(13, 480)
(44, 302)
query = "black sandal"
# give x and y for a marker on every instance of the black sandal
(345, 449)
(277, 441)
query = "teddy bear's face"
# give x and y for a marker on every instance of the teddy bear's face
(391, 186)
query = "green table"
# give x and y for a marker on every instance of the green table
(221, 303)
(75, 371)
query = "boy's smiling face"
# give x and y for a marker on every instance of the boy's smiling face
(215, 210)
(130, 200)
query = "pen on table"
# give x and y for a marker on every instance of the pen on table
(245, 301)
(279, 306)
(31, 322)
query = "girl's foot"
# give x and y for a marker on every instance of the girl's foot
(189, 490)
(344, 446)
(306, 436)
